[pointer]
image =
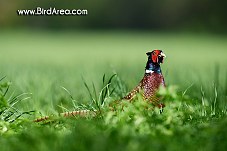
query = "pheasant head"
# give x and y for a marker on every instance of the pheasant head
(155, 58)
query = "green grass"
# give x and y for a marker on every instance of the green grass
(54, 66)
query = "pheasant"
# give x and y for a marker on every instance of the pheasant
(152, 79)
(149, 85)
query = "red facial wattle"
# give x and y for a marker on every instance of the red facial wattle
(157, 56)
(154, 58)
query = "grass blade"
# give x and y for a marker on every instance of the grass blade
(7, 89)
(89, 92)
(2, 78)
(187, 89)
(103, 79)
(68, 92)
(108, 83)
(94, 91)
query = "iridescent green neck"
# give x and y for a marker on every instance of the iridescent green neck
(153, 67)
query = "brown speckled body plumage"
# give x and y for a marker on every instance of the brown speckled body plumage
(148, 85)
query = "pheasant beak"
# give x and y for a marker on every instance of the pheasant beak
(163, 55)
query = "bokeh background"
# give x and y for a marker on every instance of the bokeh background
(190, 15)
(39, 54)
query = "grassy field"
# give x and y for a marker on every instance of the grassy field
(52, 67)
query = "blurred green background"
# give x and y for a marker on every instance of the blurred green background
(192, 15)
(41, 53)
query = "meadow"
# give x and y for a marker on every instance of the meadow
(47, 72)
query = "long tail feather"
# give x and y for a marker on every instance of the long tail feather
(42, 119)
(80, 113)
